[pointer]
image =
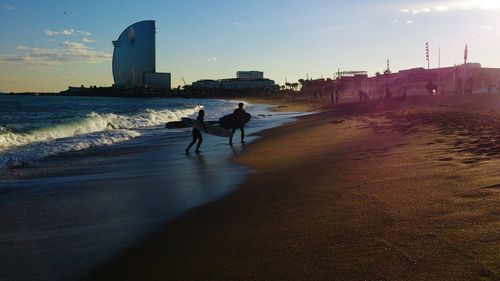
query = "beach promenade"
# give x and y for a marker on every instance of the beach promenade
(403, 189)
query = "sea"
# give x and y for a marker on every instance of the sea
(83, 179)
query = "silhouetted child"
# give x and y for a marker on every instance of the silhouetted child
(196, 133)
(238, 112)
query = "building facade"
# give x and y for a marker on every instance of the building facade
(250, 75)
(245, 80)
(468, 78)
(134, 58)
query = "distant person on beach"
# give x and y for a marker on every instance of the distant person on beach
(388, 93)
(337, 96)
(431, 88)
(238, 112)
(196, 133)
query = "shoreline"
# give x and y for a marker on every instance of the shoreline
(299, 102)
(133, 188)
(342, 207)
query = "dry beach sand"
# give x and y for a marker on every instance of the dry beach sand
(377, 190)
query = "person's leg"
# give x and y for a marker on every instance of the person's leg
(191, 144)
(200, 140)
(231, 137)
(242, 134)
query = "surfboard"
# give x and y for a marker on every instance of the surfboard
(211, 129)
(181, 124)
(177, 125)
(234, 121)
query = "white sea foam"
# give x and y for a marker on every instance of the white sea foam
(40, 150)
(93, 130)
(93, 122)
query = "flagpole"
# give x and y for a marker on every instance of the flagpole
(439, 68)
(465, 66)
(463, 80)
(427, 54)
(455, 76)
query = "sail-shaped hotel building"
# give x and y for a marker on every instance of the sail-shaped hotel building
(134, 58)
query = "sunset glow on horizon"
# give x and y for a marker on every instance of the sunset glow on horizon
(50, 45)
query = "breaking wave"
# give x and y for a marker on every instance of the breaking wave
(92, 123)
(95, 129)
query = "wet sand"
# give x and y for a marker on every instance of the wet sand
(379, 190)
(66, 214)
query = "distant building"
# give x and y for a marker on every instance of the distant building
(157, 80)
(250, 75)
(245, 80)
(353, 81)
(465, 78)
(241, 84)
(468, 78)
(206, 84)
(134, 58)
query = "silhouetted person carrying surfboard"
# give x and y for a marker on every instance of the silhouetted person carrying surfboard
(235, 120)
(239, 113)
(196, 133)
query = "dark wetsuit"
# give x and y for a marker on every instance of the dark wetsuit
(238, 112)
(196, 136)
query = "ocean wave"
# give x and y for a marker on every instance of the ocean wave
(4, 130)
(39, 150)
(93, 130)
(92, 123)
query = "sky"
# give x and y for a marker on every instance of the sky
(48, 45)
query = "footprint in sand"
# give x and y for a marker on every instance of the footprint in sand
(445, 159)
(471, 161)
(337, 122)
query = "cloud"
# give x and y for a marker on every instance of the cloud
(85, 33)
(237, 23)
(213, 59)
(401, 21)
(8, 7)
(416, 11)
(442, 8)
(74, 45)
(451, 5)
(69, 52)
(66, 32)
(70, 32)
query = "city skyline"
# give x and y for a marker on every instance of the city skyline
(51, 45)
